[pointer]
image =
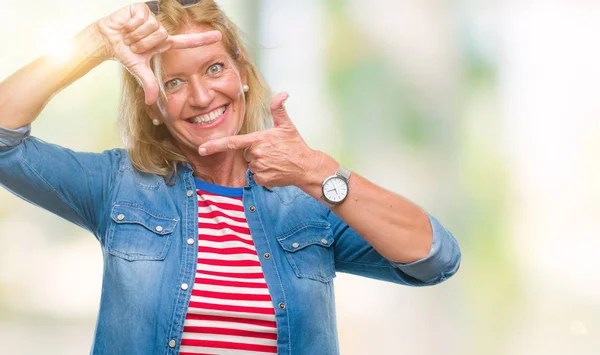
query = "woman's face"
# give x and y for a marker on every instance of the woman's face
(205, 94)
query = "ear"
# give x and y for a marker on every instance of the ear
(157, 111)
(242, 67)
(244, 76)
(153, 112)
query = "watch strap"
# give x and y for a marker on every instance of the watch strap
(325, 203)
(344, 173)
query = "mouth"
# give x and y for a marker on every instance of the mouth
(208, 118)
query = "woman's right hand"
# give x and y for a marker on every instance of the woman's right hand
(132, 35)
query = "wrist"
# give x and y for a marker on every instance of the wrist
(322, 167)
(86, 49)
(93, 42)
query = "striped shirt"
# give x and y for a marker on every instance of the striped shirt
(230, 310)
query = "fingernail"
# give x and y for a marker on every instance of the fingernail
(126, 41)
(202, 151)
(133, 48)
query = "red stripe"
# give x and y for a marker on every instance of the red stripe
(221, 205)
(230, 296)
(227, 331)
(205, 281)
(229, 345)
(228, 262)
(220, 213)
(223, 225)
(228, 308)
(225, 238)
(206, 317)
(226, 251)
(237, 275)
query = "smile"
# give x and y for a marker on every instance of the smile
(209, 117)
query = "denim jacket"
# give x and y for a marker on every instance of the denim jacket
(143, 226)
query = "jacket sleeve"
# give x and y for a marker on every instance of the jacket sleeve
(355, 256)
(71, 185)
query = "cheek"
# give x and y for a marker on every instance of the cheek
(174, 106)
(229, 84)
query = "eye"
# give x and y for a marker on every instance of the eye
(173, 84)
(215, 69)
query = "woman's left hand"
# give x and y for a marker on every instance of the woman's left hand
(277, 156)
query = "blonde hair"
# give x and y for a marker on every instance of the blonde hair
(151, 148)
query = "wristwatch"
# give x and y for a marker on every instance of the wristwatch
(335, 188)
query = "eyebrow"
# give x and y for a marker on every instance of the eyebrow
(204, 64)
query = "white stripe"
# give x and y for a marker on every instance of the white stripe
(215, 256)
(220, 199)
(230, 289)
(223, 302)
(203, 350)
(248, 315)
(219, 219)
(230, 325)
(235, 269)
(225, 244)
(220, 232)
(226, 278)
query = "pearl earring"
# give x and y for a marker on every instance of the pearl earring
(246, 88)
(155, 122)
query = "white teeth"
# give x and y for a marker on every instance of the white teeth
(210, 117)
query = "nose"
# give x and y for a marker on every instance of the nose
(201, 92)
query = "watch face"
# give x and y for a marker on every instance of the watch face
(335, 189)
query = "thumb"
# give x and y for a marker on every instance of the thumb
(278, 111)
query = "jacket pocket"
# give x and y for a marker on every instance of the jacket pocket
(136, 234)
(308, 249)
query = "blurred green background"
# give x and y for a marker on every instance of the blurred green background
(483, 112)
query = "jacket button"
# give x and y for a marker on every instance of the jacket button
(159, 229)
(267, 255)
(252, 209)
(282, 305)
(184, 286)
(190, 241)
(121, 217)
(295, 245)
(324, 241)
(172, 343)
(190, 193)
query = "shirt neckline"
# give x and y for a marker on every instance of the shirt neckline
(218, 189)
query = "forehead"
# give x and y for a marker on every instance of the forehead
(186, 60)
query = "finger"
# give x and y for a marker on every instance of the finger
(149, 83)
(144, 30)
(192, 40)
(229, 143)
(161, 48)
(259, 180)
(138, 14)
(278, 111)
(252, 168)
(247, 155)
(150, 42)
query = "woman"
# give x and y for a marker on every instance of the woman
(221, 230)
